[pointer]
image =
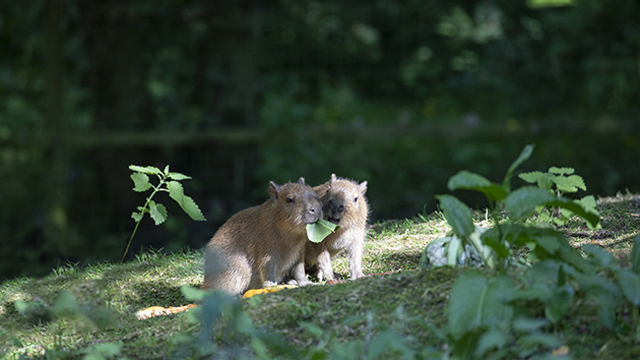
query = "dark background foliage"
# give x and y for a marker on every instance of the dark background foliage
(402, 94)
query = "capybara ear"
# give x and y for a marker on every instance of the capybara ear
(333, 178)
(362, 187)
(274, 190)
(301, 181)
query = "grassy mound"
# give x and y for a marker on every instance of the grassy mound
(77, 312)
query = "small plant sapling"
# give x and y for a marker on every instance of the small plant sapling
(494, 245)
(168, 182)
(559, 181)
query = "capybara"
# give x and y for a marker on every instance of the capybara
(344, 204)
(256, 246)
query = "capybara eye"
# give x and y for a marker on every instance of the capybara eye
(289, 200)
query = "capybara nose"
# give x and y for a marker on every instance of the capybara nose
(315, 211)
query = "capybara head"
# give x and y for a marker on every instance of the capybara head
(297, 201)
(345, 201)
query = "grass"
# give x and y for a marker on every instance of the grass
(109, 295)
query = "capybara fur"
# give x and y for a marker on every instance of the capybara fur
(256, 246)
(344, 204)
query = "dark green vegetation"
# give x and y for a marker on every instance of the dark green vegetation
(402, 311)
(401, 93)
(490, 315)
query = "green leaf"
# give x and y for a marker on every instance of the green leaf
(492, 339)
(562, 202)
(561, 171)
(601, 290)
(593, 281)
(526, 324)
(192, 294)
(464, 347)
(15, 341)
(538, 339)
(178, 176)
(176, 192)
(589, 204)
(485, 251)
(457, 215)
(432, 329)
(140, 182)
(136, 216)
(559, 304)
(158, 212)
(150, 170)
(635, 255)
(317, 231)
(491, 239)
(522, 202)
(569, 184)
(533, 177)
(601, 257)
(311, 328)
(524, 155)
(550, 242)
(608, 307)
(66, 305)
(476, 302)
(465, 180)
(102, 351)
(571, 256)
(630, 285)
(191, 208)
(389, 340)
(544, 272)
(21, 306)
(543, 180)
(454, 248)
(166, 170)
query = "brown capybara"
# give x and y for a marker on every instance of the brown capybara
(257, 245)
(344, 204)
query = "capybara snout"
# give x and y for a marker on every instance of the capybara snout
(334, 208)
(314, 207)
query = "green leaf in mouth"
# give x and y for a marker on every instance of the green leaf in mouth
(317, 231)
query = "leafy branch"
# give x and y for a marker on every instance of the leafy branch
(167, 182)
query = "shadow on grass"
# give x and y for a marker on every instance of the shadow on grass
(395, 261)
(156, 293)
